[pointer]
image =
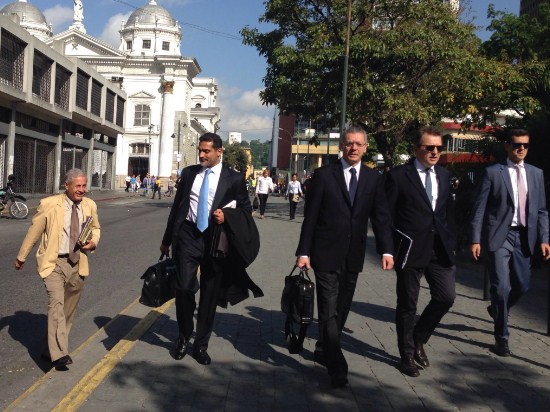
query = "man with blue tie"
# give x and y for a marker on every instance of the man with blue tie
(203, 190)
(509, 219)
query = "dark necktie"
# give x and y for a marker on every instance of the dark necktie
(429, 184)
(352, 184)
(74, 251)
(202, 207)
(522, 197)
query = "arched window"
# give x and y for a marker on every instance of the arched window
(142, 116)
(198, 106)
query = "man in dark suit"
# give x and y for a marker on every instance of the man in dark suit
(203, 191)
(341, 199)
(420, 199)
(510, 218)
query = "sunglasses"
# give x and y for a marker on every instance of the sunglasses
(518, 145)
(432, 147)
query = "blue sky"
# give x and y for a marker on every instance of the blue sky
(237, 68)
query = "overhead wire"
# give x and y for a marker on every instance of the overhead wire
(194, 26)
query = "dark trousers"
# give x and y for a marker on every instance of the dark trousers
(292, 206)
(192, 253)
(510, 274)
(334, 297)
(441, 279)
(156, 189)
(263, 202)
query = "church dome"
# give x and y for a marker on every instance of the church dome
(26, 12)
(150, 14)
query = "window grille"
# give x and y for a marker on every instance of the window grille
(96, 98)
(129, 45)
(120, 111)
(82, 89)
(139, 149)
(12, 59)
(41, 76)
(110, 106)
(146, 44)
(166, 45)
(142, 115)
(62, 87)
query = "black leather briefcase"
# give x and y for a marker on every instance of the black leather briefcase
(159, 283)
(297, 302)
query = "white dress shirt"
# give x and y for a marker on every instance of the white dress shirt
(514, 178)
(347, 167)
(294, 188)
(422, 173)
(213, 180)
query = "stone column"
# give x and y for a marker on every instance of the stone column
(166, 144)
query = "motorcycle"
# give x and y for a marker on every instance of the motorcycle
(17, 208)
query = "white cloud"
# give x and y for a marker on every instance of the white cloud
(242, 111)
(59, 17)
(110, 34)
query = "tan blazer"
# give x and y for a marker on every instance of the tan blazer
(47, 225)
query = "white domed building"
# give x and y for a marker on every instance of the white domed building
(168, 107)
(30, 18)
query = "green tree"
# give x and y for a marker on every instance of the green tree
(410, 64)
(523, 43)
(235, 157)
(259, 152)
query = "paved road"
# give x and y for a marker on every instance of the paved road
(252, 370)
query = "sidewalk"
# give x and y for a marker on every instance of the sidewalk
(252, 370)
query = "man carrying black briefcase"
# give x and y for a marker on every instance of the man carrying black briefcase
(204, 191)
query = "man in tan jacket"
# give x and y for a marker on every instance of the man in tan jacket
(62, 258)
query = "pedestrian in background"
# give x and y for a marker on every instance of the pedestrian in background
(264, 186)
(510, 219)
(62, 259)
(293, 194)
(146, 183)
(156, 187)
(420, 201)
(128, 183)
(333, 239)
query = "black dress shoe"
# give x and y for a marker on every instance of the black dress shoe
(490, 311)
(501, 348)
(408, 367)
(61, 363)
(180, 350)
(201, 356)
(420, 356)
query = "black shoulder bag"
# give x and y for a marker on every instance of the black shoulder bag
(297, 302)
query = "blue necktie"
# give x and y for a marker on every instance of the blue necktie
(429, 184)
(202, 207)
(352, 184)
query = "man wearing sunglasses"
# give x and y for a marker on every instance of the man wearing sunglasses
(509, 218)
(419, 196)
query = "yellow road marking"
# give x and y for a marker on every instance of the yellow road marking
(46, 376)
(82, 390)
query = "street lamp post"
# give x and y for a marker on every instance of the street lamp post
(290, 146)
(178, 156)
(151, 126)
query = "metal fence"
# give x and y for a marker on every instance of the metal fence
(33, 165)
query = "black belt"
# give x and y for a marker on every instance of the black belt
(517, 228)
(63, 256)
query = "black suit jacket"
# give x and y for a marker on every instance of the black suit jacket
(334, 232)
(413, 215)
(231, 186)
